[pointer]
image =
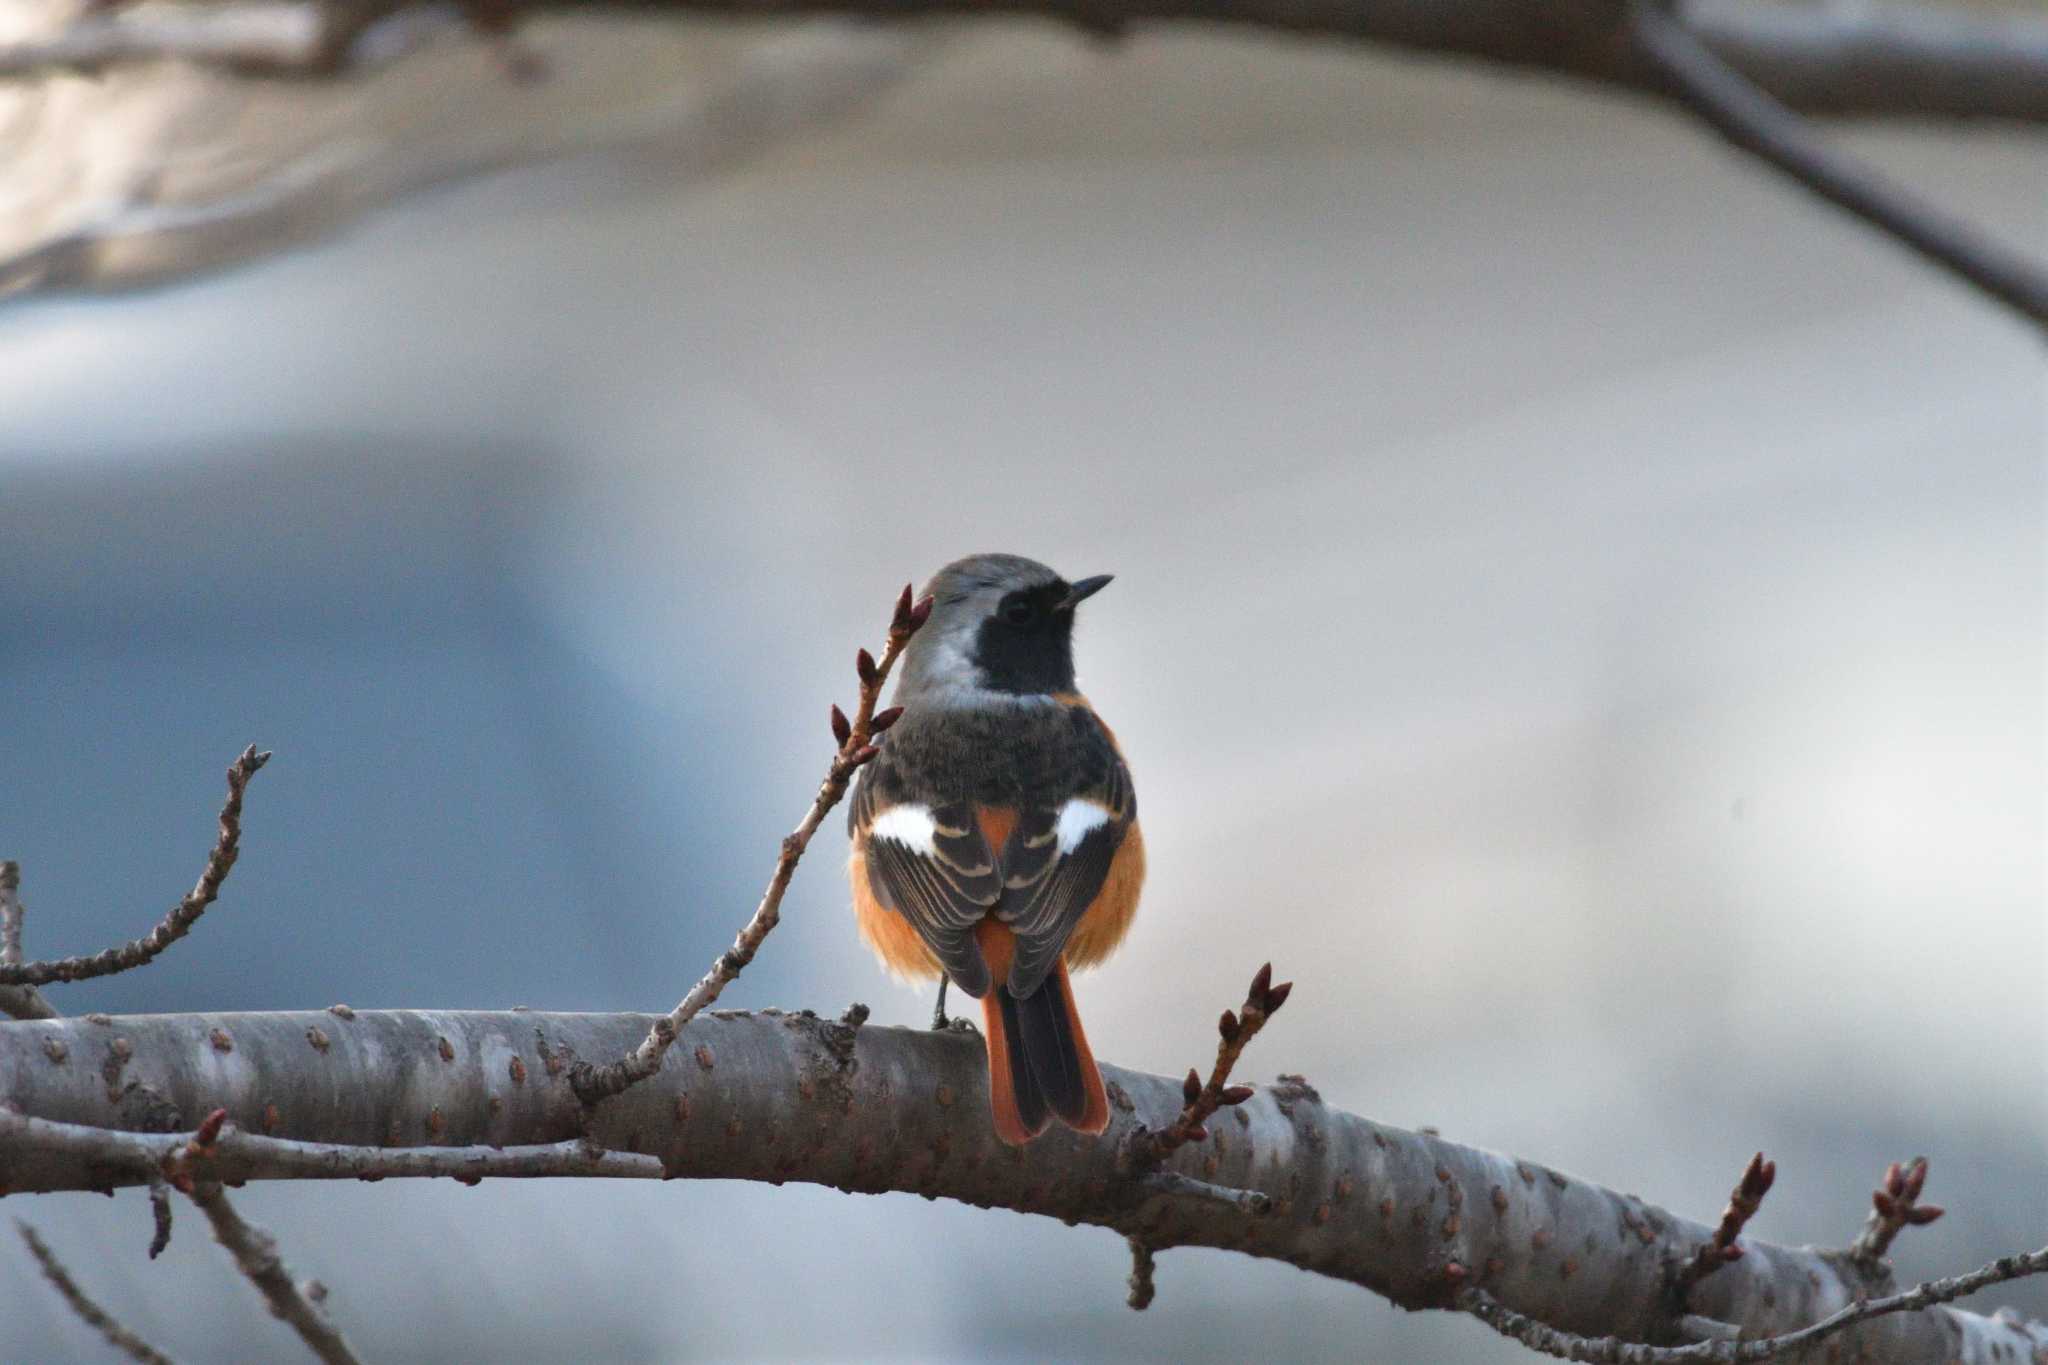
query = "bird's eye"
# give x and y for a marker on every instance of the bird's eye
(1019, 613)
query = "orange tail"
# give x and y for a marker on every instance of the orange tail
(1039, 1063)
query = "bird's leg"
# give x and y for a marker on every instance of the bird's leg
(939, 1010)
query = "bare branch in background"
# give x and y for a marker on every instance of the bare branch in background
(182, 916)
(1753, 122)
(95, 1317)
(17, 1002)
(782, 1097)
(1740, 67)
(255, 1253)
(596, 1083)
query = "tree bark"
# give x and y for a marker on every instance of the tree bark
(778, 1097)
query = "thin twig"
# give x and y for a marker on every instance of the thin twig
(1254, 1202)
(19, 1002)
(1743, 1202)
(1894, 1206)
(95, 1317)
(856, 748)
(1614, 1351)
(10, 913)
(230, 1154)
(1143, 1290)
(255, 1253)
(182, 916)
(160, 1217)
(1748, 117)
(1261, 1003)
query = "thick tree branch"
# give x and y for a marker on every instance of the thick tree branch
(94, 1316)
(779, 1097)
(174, 925)
(1752, 121)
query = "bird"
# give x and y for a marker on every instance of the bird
(995, 839)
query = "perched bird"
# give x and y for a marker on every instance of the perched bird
(995, 835)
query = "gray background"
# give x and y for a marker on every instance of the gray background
(1579, 612)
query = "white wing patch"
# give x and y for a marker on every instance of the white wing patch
(1077, 819)
(910, 825)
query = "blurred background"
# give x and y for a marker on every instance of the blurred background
(1579, 612)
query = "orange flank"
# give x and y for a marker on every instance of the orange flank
(893, 937)
(1107, 919)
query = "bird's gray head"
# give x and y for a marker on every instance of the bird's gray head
(1001, 626)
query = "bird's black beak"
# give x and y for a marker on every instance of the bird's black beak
(1080, 592)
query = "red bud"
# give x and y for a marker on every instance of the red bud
(1277, 997)
(1237, 1094)
(1227, 1025)
(1923, 1214)
(884, 719)
(864, 665)
(900, 619)
(1191, 1087)
(842, 729)
(209, 1130)
(1260, 983)
(864, 754)
(920, 614)
(1884, 1204)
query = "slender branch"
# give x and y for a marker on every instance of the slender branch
(1750, 119)
(94, 1316)
(255, 1253)
(182, 916)
(1201, 1100)
(233, 1155)
(856, 748)
(1894, 1206)
(17, 1002)
(783, 1097)
(1566, 1346)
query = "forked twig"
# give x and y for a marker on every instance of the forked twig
(1894, 1206)
(182, 916)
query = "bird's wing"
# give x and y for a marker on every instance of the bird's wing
(1056, 860)
(931, 865)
